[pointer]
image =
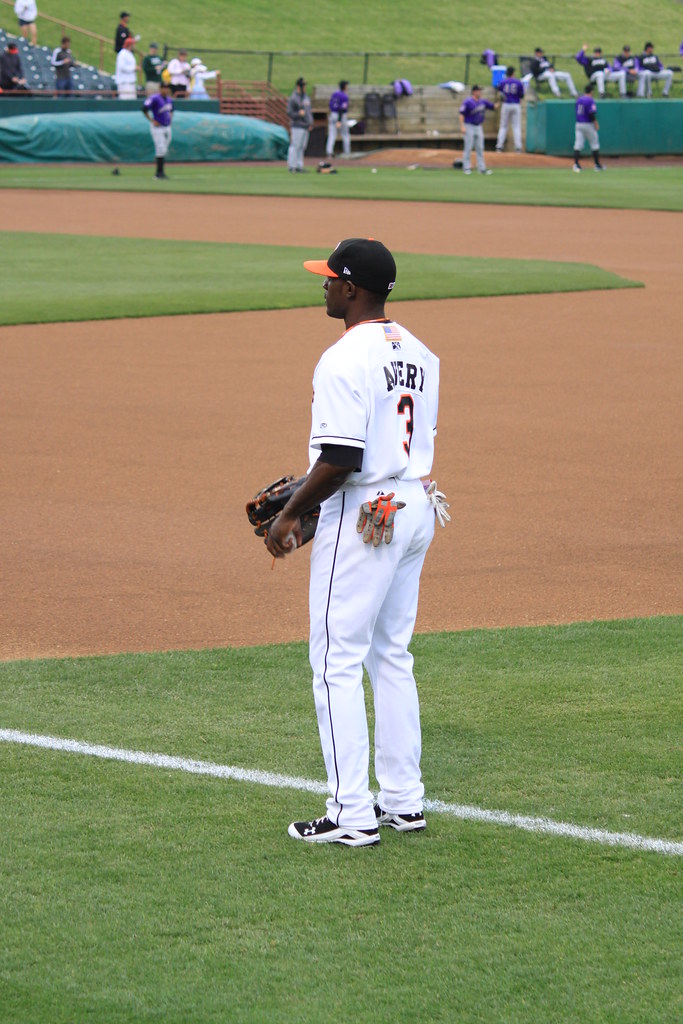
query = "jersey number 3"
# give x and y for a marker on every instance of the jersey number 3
(406, 407)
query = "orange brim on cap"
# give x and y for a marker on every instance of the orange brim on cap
(319, 267)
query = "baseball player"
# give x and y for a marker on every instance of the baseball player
(158, 109)
(630, 65)
(650, 63)
(300, 126)
(542, 70)
(472, 114)
(512, 90)
(337, 119)
(587, 129)
(598, 70)
(375, 399)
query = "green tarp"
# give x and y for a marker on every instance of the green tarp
(125, 138)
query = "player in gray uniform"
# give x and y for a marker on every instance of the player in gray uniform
(158, 109)
(586, 129)
(472, 114)
(300, 125)
(512, 91)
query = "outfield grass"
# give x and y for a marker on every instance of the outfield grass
(630, 188)
(139, 894)
(384, 26)
(41, 287)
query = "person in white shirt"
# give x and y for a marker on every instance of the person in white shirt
(27, 12)
(375, 402)
(126, 74)
(180, 71)
(199, 75)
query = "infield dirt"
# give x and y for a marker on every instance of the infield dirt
(130, 447)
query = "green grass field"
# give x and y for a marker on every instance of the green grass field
(41, 288)
(634, 188)
(383, 27)
(134, 893)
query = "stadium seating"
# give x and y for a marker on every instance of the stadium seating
(40, 76)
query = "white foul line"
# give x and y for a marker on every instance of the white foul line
(629, 840)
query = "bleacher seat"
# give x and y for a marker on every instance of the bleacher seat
(40, 76)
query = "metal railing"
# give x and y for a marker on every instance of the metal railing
(363, 67)
(67, 28)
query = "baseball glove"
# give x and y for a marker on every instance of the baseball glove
(265, 507)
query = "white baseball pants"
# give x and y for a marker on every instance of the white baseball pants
(586, 133)
(510, 115)
(552, 78)
(474, 137)
(161, 137)
(666, 75)
(341, 124)
(600, 77)
(363, 603)
(297, 148)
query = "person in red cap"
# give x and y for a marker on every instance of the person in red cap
(375, 401)
(12, 78)
(126, 74)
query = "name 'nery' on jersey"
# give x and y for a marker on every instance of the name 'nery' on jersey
(404, 375)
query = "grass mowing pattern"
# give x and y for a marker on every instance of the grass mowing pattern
(107, 278)
(132, 894)
(629, 188)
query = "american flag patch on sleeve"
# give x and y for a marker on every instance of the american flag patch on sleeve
(392, 332)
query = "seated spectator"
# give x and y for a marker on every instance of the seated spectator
(542, 70)
(628, 63)
(199, 76)
(62, 62)
(11, 73)
(27, 12)
(598, 70)
(152, 66)
(126, 74)
(656, 72)
(179, 70)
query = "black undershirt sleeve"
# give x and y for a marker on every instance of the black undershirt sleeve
(342, 455)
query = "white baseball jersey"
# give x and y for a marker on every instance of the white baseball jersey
(377, 389)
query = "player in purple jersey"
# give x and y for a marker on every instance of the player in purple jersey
(511, 110)
(337, 120)
(158, 109)
(586, 129)
(472, 114)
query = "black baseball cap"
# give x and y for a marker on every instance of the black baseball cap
(363, 261)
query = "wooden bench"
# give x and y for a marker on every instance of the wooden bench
(428, 117)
